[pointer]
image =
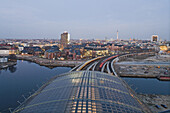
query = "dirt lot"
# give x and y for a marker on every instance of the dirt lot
(150, 67)
(156, 102)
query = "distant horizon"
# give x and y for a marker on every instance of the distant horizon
(85, 19)
(74, 39)
(105, 38)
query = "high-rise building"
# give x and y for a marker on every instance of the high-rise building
(154, 38)
(65, 38)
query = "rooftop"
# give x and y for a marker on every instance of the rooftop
(83, 91)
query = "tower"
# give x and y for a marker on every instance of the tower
(117, 35)
(65, 38)
(130, 39)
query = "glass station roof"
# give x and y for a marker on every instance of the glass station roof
(83, 92)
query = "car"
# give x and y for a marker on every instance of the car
(163, 105)
(158, 106)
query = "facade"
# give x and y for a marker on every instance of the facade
(20, 47)
(93, 52)
(52, 54)
(12, 58)
(154, 38)
(163, 48)
(117, 47)
(74, 54)
(13, 50)
(4, 51)
(65, 38)
(3, 59)
(83, 92)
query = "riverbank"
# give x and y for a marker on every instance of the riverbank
(50, 63)
(156, 103)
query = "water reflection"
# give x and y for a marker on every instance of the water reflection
(12, 69)
(23, 79)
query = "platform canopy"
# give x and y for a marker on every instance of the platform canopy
(83, 92)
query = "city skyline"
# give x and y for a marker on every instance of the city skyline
(85, 19)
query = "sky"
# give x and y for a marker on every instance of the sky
(84, 19)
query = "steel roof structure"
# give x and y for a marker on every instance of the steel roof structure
(83, 92)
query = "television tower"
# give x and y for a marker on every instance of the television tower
(117, 35)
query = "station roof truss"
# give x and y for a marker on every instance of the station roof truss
(82, 91)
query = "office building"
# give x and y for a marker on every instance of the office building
(65, 38)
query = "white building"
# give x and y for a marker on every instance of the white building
(3, 59)
(4, 51)
(20, 48)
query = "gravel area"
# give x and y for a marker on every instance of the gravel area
(156, 103)
(150, 67)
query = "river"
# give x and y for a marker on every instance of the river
(24, 78)
(148, 85)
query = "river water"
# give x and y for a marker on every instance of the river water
(149, 85)
(26, 77)
(23, 79)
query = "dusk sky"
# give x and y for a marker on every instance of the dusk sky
(86, 19)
